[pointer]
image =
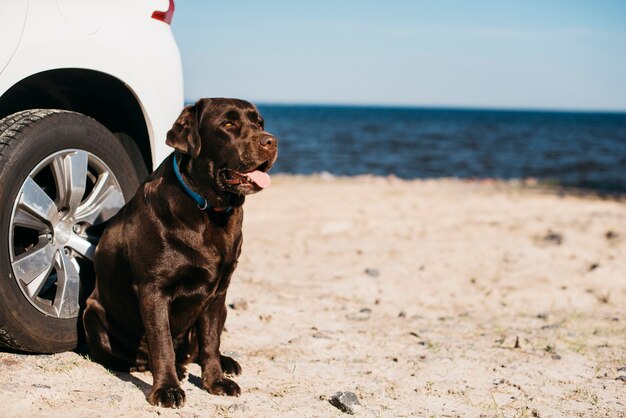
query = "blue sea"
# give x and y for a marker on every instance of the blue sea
(586, 150)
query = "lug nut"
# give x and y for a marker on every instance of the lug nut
(76, 228)
(66, 251)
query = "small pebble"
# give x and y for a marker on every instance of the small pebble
(238, 407)
(552, 237)
(603, 298)
(372, 272)
(346, 402)
(363, 315)
(239, 304)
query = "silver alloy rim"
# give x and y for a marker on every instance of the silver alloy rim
(54, 227)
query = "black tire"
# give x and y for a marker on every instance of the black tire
(27, 139)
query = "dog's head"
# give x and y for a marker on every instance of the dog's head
(226, 151)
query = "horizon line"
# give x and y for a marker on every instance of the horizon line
(434, 107)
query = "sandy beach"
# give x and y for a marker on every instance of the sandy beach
(423, 298)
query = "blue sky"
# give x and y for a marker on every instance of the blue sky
(498, 54)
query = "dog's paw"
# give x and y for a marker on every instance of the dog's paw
(230, 365)
(224, 387)
(167, 397)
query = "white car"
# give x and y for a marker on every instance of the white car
(88, 90)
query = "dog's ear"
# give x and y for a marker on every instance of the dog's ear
(184, 135)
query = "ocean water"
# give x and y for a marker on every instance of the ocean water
(585, 150)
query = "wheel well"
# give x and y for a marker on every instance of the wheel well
(98, 95)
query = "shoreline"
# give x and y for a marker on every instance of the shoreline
(549, 186)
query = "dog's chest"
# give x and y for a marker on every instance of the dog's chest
(210, 255)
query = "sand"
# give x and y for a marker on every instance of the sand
(423, 298)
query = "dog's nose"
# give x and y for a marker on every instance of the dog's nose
(268, 141)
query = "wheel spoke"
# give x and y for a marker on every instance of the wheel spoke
(104, 201)
(27, 220)
(70, 175)
(83, 246)
(36, 202)
(66, 298)
(33, 267)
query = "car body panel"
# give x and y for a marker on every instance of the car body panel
(12, 21)
(116, 37)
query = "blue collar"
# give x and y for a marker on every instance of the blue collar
(201, 201)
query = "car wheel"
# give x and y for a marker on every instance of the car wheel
(62, 175)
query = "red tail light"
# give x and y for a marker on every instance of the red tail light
(165, 16)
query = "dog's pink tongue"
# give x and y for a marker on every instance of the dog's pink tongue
(259, 178)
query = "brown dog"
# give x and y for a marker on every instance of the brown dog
(165, 260)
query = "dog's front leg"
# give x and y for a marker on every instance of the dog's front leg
(209, 329)
(166, 390)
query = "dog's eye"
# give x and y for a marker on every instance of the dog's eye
(261, 124)
(228, 124)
